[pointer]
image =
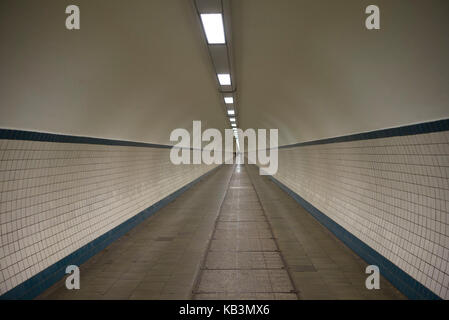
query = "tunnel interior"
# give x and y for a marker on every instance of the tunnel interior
(106, 132)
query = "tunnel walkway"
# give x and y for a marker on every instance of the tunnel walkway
(234, 235)
(243, 260)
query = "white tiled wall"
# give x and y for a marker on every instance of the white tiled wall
(57, 197)
(391, 193)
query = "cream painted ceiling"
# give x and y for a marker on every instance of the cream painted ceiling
(135, 70)
(138, 69)
(312, 70)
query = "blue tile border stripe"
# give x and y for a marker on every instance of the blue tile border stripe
(9, 134)
(400, 279)
(419, 128)
(37, 284)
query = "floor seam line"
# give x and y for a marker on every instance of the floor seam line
(203, 262)
(295, 290)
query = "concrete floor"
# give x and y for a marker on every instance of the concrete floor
(234, 235)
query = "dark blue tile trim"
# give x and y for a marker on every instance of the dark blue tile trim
(420, 128)
(401, 280)
(61, 138)
(37, 284)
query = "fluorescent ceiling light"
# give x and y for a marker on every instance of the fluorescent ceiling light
(229, 100)
(224, 79)
(232, 119)
(233, 124)
(231, 112)
(213, 27)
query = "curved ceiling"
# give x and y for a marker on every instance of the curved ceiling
(134, 71)
(137, 70)
(311, 69)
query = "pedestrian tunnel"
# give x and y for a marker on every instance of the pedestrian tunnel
(224, 150)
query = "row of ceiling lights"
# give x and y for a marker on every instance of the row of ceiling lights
(214, 31)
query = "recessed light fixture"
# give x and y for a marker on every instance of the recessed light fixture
(229, 100)
(233, 124)
(213, 27)
(224, 79)
(232, 119)
(231, 112)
